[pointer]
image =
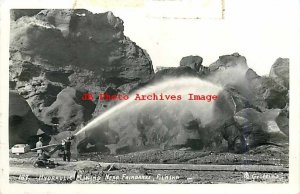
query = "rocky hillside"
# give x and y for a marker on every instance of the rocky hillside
(56, 56)
(23, 124)
(252, 110)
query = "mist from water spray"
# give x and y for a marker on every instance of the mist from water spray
(179, 86)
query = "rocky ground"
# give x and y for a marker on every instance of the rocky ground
(90, 171)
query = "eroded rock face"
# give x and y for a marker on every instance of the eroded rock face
(194, 62)
(68, 111)
(225, 61)
(230, 70)
(261, 128)
(280, 71)
(54, 49)
(22, 122)
(260, 91)
(244, 116)
(83, 39)
(266, 92)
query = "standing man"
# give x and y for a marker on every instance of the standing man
(67, 149)
(38, 145)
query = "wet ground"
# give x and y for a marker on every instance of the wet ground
(90, 170)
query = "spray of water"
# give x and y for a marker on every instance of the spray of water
(179, 86)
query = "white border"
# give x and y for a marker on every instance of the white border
(5, 187)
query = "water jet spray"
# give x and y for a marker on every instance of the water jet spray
(179, 86)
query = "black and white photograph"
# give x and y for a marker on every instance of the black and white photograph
(155, 93)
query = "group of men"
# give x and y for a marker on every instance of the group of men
(65, 148)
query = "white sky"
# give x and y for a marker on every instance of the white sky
(261, 30)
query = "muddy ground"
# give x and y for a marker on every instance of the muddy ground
(89, 171)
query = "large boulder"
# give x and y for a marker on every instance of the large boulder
(22, 122)
(194, 62)
(223, 126)
(280, 71)
(227, 61)
(68, 111)
(260, 91)
(266, 93)
(230, 70)
(261, 128)
(80, 38)
(53, 49)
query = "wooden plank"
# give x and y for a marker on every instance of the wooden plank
(198, 167)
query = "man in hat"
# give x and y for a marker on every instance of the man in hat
(67, 148)
(38, 145)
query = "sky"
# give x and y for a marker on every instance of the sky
(262, 31)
